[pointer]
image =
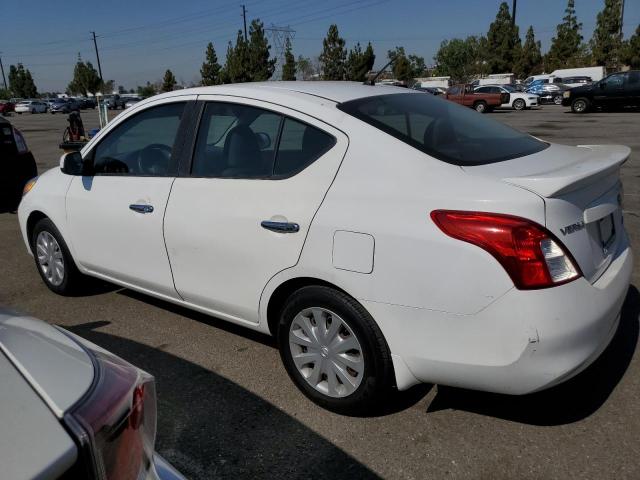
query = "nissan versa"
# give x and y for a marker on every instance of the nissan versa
(384, 236)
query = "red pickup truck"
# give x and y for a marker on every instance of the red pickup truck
(480, 102)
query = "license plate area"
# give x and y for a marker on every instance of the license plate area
(607, 232)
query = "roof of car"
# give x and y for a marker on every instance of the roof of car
(338, 91)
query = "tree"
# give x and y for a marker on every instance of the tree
(168, 82)
(5, 94)
(261, 66)
(236, 66)
(530, 60)
(85, 79)
(462, 59)
(121, 90)
(304, 66)
(210, 70)
(360, 63)
(406, 68)
(147, 91)
(289, 67)
(334, 55)
(631, 50)
(566, 47)
(21, 82)
(108, 87)
(503, 42)
(606, 40)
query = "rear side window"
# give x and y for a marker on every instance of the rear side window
(300, 145)
(443, 129)
(241, 141)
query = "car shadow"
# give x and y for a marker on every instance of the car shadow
(210, 427)
(566, 403)
(390, 403)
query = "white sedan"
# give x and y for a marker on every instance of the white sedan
(384, 236)
(517, 100)
(31, 106)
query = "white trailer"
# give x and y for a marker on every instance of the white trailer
(441, 82)
(596, 73)
(496, 79)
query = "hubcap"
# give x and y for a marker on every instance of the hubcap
(579, 106)
(50, 258)
(326, 352)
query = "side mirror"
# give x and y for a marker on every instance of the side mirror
(71, 163)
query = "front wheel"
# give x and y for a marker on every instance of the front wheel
(557, 99)
(580, 105)
(333, 350)
(53, 259)
(518, 104)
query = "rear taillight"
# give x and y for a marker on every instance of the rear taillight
(116, 422)
(529, 253)
(21, 144)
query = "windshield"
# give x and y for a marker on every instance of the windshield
(443, 129)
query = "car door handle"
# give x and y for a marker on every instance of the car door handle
(280, 227)
(141, 208)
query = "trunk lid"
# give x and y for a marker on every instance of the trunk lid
(581, 190)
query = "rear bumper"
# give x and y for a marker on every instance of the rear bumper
(523, 342)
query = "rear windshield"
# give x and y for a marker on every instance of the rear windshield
(443, 129)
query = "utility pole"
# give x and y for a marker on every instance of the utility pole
(244, 19)
(514, 4)
(621, 18)
(279, 37)
(4, 79)
(95, 44)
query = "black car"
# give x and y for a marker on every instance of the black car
(115, 102)
(431, 90)
(616, 91)
(18, 165)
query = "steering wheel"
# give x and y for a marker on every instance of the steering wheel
(154, 159)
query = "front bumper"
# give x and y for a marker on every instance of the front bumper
(523, 342)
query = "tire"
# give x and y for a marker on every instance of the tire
(519, 104)
(331, 381)
(69, 282)
(33, 112)
(557, 99)
(580, 105)
(480, 107)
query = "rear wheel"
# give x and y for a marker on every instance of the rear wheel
(53, 259)
(480, 107)
(333, 350)
(518, 104)
(580, 105)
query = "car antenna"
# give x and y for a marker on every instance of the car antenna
(372, 82)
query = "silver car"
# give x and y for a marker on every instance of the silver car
(73, 410)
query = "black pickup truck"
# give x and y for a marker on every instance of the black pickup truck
(616, 91)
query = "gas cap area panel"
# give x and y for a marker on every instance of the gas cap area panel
(353, 251)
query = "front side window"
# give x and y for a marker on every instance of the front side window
(443, 129)
(614, 82)
(141, 145)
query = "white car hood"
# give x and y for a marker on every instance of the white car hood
(57, 368)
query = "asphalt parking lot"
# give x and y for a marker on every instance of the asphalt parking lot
(228, 410)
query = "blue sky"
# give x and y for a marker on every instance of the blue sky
(140, 39)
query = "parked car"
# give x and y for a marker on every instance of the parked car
(547, 92)
(572, 82)
(31, 106)
(73, 410)
(618, 90)
(517, 100)
(115, 102)
(60, 105)
(18, 165)
(6, 107)
(131, 101)
(86, 103)
(384, 236)
(480, 101)
(431, 90)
